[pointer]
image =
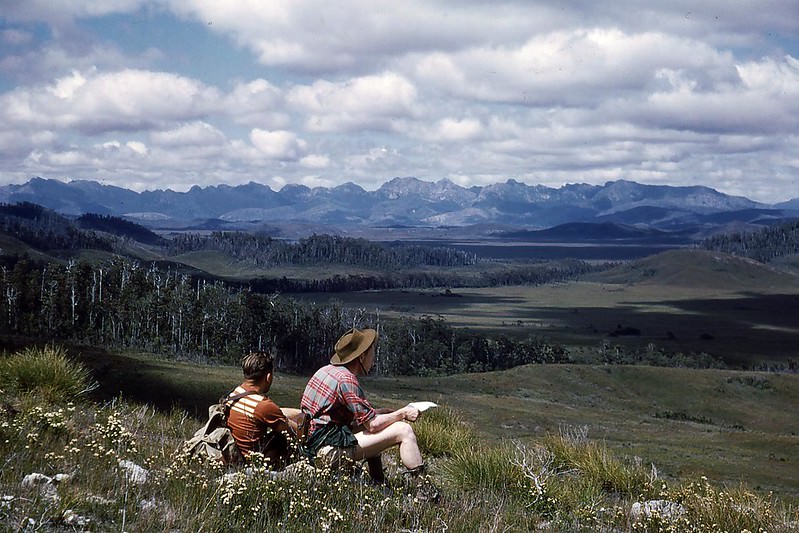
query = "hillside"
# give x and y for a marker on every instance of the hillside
(578, 449)
(686, 422)
(698, 268)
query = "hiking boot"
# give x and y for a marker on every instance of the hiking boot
(426, 491)
(420, 486)
(375, 467)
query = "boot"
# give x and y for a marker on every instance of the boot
(375, 466)
(420, 486)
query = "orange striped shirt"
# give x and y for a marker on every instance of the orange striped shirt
(252, 418)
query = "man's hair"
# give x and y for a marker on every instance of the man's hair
(257, 364)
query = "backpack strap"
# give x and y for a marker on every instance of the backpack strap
(228, 400)
(236, 397)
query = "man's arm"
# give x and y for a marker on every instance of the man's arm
(293, 417)
(383, 420)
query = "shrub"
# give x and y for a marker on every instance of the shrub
(48, 372)
(563, 482)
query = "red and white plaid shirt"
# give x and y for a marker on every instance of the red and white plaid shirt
(334, 395)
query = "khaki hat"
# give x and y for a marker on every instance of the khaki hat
(353, 344)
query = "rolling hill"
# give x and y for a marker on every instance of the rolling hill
(691, 267)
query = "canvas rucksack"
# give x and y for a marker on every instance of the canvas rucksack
(214, 440)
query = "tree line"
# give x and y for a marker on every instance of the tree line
(126, 304)
(265, 251)
(762, 245)
(530, 274)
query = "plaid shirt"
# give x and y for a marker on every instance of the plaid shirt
(334, 395)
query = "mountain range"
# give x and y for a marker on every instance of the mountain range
(408, 202)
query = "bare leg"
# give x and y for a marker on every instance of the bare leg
(371, 444)
(291, 413)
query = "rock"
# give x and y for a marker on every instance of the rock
(36, 479)
(663, 508)
(6, 501)
(71, 518)
(99, 500)
(45, 484)
(148, 505)
(134, 473)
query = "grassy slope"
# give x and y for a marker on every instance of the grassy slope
(788, 263)
(698, 268)
(620, 404)
(740, 427)
(12, 246)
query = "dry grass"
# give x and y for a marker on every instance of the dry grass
(560, 482)
(751, 435)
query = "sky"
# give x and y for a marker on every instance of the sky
(168, 94)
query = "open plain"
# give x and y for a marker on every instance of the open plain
(685, 301)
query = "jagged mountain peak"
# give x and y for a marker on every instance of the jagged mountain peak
(404, 200)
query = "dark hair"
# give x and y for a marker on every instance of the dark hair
(257, 364)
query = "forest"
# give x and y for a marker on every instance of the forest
(125, 304)
(762, 245)
(265, 251)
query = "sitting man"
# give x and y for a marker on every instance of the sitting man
(343, 424)
(256, 422)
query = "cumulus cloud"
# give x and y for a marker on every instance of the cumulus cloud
(453, 130)
(59, 13)
(315, 161)
(592, 64)
(279, 145)
(371, 102)
(257, 103)
(94, 102)
(314, 36)
(197, 133)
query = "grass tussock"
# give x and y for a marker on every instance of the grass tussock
(573, 452)
(443, 432)
(47, 372)
(114, 467)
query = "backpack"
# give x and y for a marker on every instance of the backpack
(214, 440)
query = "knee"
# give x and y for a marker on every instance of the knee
(405, 431)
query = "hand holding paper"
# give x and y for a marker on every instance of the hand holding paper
(422, 406)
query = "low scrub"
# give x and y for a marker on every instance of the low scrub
(114, 467)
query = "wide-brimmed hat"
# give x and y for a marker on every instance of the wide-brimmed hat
(353, 344)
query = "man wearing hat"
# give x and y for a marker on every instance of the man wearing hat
(335, 403)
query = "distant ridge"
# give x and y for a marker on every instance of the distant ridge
(408, 202)
(602, 231)
(691, 267)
